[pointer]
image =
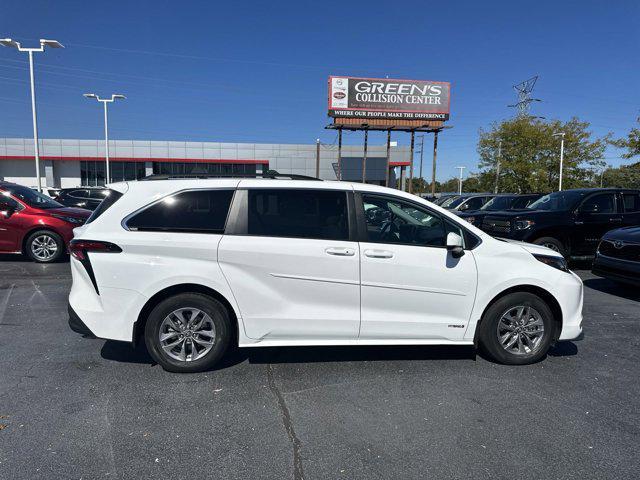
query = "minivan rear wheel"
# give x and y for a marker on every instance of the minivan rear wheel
(188, 332)
(517, 329)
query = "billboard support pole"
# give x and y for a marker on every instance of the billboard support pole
(433, 166)
(413, 137)
(386, 184)
(340, 154)
(364, 157)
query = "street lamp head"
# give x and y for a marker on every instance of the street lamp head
(89, 95)
(118, 96)
(50, 43)
(558, 134)
(7, 42)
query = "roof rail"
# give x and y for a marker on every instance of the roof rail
(270, 174)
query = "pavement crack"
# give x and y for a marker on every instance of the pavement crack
(298, 472)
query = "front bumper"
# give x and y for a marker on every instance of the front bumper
(624, 271)
(571, 297)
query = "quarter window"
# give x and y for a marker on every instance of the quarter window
(393, 221)
(302, 213)
(191, 211)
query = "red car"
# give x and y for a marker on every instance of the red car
(34, 224)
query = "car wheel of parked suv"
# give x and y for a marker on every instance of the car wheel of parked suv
(552, 243)
(188, 332)
(44, 246)
(517, 329)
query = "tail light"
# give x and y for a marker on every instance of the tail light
(80, 250)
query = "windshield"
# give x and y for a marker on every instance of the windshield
(448, 200)
(31, 197)
(454, 202)
(498, 203)
(558, 201)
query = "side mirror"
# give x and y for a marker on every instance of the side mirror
(455, 245)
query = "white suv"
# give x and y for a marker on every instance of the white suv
(195, 265)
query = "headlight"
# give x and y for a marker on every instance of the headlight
(471, 220)
(523, 224)
(75, 221)
(556, 262)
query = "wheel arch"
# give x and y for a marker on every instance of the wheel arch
(545, 295)
(138, 326)
(559, 234)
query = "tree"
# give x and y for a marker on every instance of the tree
(530, 155)
(625, 176)
(631, 143)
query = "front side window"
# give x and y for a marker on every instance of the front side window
(7, 203)
(197, 211)
(394, 221)
(302, 213)
(603, 203)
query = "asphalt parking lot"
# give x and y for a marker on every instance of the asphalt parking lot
(73, 408)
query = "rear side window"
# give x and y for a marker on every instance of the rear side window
(631, 202)
(303, 213)
(111, 198)
(98, 194)
(198, 211)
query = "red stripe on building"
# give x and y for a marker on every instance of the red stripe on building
(400, 164)
(131, 159)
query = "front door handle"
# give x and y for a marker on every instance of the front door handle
(341, 252)
(615, 219)
(378, 254)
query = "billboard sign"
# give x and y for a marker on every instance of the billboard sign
(353, 97)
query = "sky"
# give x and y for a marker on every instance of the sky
(249, 71)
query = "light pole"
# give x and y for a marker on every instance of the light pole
(7, 42)
(460, 181)
(561, 135)
(105, 101)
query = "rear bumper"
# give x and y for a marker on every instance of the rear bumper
(77, 325)
(619, 270)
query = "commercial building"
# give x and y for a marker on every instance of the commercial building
(71, 163)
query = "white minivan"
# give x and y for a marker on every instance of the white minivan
(193, 266)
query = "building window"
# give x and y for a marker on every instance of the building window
(92, 173)
(195, 168)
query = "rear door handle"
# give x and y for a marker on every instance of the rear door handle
(341, 252)
(378, 254)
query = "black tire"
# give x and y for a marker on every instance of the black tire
(221, 322)
(488, 334)
(553, 244)
(31, 247)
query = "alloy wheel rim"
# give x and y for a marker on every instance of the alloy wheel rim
(44, 247)
(552, 246)
(187, 334)
(520, 330)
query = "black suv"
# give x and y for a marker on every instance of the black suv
(499, 203)
(571, 222)
(82, 197)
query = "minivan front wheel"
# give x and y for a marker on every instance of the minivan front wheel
(518, 329)
(188, 332)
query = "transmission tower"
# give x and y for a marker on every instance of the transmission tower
(524, 90)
